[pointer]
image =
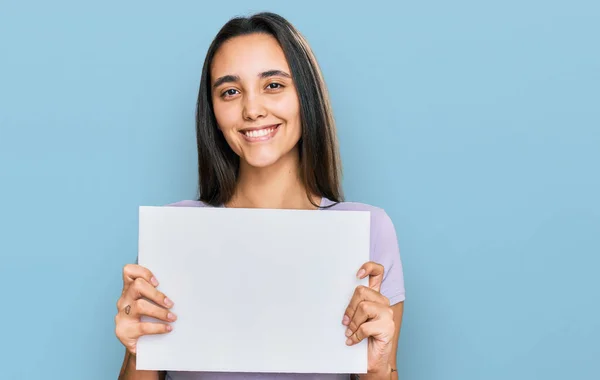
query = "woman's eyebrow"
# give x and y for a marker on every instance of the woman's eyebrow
(226, 79)
(274, 73)
(264, 74)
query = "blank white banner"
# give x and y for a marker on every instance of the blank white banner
(255, 290)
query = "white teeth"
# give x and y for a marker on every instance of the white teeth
(259, 133)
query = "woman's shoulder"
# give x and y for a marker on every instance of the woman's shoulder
(379, 216)
(385, 249)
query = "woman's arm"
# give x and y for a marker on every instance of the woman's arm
(140, 297)
(398, 311)
(387, 253)
(392, 372)
(128, 371)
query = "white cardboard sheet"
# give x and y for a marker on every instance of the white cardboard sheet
(255, 290)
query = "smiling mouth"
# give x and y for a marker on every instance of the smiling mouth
(260, 134)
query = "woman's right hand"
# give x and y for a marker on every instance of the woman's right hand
(140, 297)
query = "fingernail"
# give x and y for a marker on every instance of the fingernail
(345, 320)
(153, 281)
(168, 302)
(348, 341)
(169, 327)
(171, 316)
(361, 273)
(348, 332)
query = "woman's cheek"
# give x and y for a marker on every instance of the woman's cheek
(225, 116)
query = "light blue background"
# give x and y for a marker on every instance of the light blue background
(476, 125)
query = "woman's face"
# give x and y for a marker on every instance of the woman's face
(255, 100)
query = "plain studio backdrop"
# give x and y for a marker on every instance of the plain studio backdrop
(476, 125)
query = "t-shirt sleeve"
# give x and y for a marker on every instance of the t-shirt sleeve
(387, 253)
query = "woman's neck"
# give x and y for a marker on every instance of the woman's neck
(278, 186)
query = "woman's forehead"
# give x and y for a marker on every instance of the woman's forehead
(249, 55)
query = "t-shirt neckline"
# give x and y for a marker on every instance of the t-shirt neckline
(323, 203)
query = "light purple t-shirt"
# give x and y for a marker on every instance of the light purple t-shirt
(384, 250)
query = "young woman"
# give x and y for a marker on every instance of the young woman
(266, 139)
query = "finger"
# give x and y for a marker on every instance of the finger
(150, 328)
(143, 307)
(366, 311)
(375, 272)
(130, 273)
(361, 294)
(140, 288)
(379, 329)
(133, 271)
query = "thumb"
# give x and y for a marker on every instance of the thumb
(375, 272)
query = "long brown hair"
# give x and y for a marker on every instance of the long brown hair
(320, 165)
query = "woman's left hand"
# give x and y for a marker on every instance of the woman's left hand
(369, 315)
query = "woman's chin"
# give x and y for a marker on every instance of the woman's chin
(265, 156)
(261, 161)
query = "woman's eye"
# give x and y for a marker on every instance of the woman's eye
(230, 92)
(274, 86)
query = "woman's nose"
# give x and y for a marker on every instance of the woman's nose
(253, 107)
